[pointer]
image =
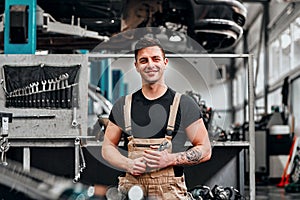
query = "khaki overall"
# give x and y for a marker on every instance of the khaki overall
(158, 184)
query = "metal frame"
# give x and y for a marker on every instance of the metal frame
(49, 127)
(250, 73)
(51, 25)
(69, 139)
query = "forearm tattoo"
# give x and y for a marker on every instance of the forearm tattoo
(189, 157)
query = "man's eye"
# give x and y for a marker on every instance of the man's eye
(143, 61)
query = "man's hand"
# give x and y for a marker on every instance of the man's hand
(137, 166)
(157, 159)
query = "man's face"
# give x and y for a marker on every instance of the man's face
(151, 64)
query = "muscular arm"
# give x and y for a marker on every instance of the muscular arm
(110, 150)
(201, 150)
(112, 155)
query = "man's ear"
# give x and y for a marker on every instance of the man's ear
(166, 61)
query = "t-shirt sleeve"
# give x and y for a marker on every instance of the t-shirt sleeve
(190, 111)
(117, 112)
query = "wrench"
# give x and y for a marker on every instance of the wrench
(44, 82)
(62, 79)
(18, 97)
(38, 95)
(3, 149)
(67, 77)
(23, 100)
(52, 92)
(35, 91)
(3, 159)
(27, 94)
(57, 82)
(74, 122)
(58, 99)
(50, 81)
(36, 85)
(43, 98)
(31, 93)
(80, 163)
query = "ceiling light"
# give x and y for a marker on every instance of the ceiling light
(175, 38)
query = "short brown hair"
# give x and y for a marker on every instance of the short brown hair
(147, 42)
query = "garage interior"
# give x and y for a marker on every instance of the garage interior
(64, 63)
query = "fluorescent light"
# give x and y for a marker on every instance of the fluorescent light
(175, 38)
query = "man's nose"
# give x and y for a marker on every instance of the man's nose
(151, 63)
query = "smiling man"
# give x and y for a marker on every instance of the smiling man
(153, 121)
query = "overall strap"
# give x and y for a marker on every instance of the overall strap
(173, 113)
(127, 112)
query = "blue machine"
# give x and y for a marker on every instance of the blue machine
(104, 82)
(20, 27)
(118, 84)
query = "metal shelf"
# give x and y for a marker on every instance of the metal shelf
(250, 73)
(244, 144)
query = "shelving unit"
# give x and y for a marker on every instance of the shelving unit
(234, 170)
(250, 145)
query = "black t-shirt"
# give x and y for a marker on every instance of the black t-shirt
(149, 118)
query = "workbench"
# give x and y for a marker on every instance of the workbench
(225, 168)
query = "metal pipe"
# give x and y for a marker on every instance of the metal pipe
(251, 129)
(246, 62)
(256, 1)
(195, 55)
(266, 61)
(26, 159)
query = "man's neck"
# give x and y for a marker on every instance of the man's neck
(154, 91)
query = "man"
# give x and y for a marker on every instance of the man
(154, 119)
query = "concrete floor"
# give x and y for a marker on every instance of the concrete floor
(272, 192)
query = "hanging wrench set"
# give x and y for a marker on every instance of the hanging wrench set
(41, 86)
